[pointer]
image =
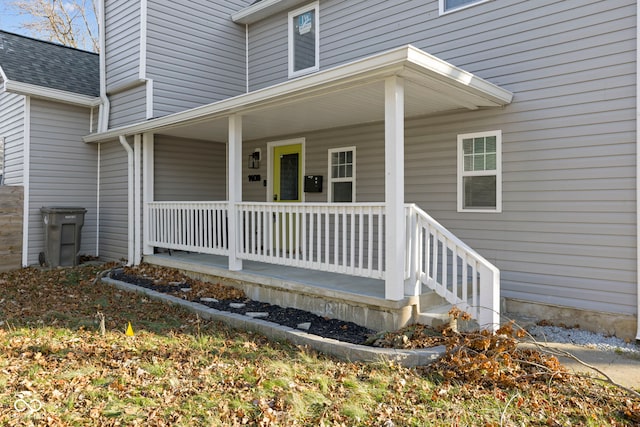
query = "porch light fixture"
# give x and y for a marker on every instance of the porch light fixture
(254, 159)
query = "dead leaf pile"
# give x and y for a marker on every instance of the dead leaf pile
(178, 370)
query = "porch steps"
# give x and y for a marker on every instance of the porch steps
(434, 312)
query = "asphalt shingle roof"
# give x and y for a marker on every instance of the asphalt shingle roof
(48, 64)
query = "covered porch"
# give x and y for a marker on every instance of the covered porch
(395, 245)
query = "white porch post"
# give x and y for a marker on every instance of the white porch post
(137, 212)
(147, 188)
(395, 230)
(235, 188)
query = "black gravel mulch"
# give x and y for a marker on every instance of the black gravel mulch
(318, 325)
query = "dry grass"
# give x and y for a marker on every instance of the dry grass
(180, 371)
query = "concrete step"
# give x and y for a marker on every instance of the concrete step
(438, 316)
(429, 298)
(434, 316)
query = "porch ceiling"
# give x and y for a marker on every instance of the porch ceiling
(346, 95)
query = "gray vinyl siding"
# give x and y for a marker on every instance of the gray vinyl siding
(196, 54)
(62, 170)
(113, 202)
(567, 233)
(128, 107)
(12, 129)
(187, 169)
(122, 45)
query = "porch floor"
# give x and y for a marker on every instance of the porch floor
(218, 265)
(339, 296)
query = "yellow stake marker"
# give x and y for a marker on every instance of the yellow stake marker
(129, 332)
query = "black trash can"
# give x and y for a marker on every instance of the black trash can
(63, 226)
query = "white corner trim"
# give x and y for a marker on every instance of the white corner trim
(149, 99)
(26, 161)
(103, 120)
(246, 56)
(142, 71)
(49, 94)
(638, 169)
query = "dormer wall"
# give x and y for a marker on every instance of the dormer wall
(162, 58)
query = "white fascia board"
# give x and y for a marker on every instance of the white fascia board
(436, 67)
(51, 94)
(263, 9)
(378, 67)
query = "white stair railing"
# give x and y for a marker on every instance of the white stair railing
(442, 262)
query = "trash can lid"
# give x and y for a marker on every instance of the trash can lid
(62, 209)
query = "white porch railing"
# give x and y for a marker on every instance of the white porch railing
(442, 262)
(345, 238)
(189, 226)
(339, 237)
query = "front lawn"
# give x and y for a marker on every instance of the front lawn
(180, 370)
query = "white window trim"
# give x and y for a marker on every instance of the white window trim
(331, 180)
(315, 6)
(456, 9)
(497, 172)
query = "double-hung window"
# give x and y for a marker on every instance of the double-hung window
(304, 39)
(342, 174)
(453, 5)
(480, 172)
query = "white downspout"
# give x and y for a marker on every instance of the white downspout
(130, 201)
(137, 180)
(638, 168)
(26, 172)
(98, 201)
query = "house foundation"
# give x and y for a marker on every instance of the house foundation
(372, 312)
(620, 325)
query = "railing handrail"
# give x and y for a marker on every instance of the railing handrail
(480, 297)
(421, 214)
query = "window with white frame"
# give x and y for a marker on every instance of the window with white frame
(304, 40)
(342, 174)
(480, 172)
(453, 5)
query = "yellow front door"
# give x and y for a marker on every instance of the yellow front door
(287, 173)
(287, 188)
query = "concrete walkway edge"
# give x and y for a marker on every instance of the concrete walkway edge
(342, 350)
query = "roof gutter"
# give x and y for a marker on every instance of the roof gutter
(49, 94)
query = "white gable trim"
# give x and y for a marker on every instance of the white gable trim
(57, 95)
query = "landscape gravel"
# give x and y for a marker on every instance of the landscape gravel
(557, 334)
